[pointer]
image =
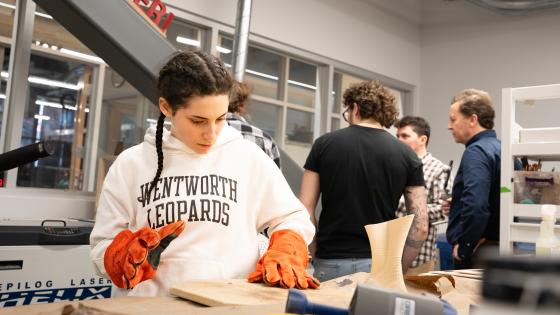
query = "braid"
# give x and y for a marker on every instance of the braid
(159, 149)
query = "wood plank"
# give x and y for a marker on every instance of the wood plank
(241, 292)
(467, 273)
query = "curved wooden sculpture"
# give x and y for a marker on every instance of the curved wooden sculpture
(387, 242)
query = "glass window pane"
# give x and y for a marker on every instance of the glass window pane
(342, 82)
(263, 72)
(299, 126)
(302, 83)
(224, 49)
(335, 124)
(56, 108)
(336, 93)
(53, 113)
(398, 101)
(265, 116)
(7, 10)
(47, 33)
(299, 135)
(125, 115)
(4, 58)
(185, 36)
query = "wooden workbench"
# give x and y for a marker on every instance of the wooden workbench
(129, 305)
(466, 292)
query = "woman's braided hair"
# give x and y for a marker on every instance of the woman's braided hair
(187, 74)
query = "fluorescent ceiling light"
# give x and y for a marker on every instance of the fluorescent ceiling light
(64, 132)
(13, 7)
(3, 96)
(81, 55)
(223, 50)
(54, 83)
(260, 74)
(43, 81)
(74, 108)
(43, 15)
(268, 76)
(57, 105)
(49, 104)
(188, 41)
(42, 117)
(302, 84)
(5, 5)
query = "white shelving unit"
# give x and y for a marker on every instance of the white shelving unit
(548, 150)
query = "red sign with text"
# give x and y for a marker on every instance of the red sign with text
(156, 12)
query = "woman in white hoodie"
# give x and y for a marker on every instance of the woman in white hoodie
(212, 193)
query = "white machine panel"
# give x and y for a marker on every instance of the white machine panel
(45, 274)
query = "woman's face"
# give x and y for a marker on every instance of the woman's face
(199, 122)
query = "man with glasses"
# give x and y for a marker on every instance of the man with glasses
(361, 172)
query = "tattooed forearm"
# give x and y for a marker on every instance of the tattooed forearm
(413, 243)
(411, 239)
(415, 200)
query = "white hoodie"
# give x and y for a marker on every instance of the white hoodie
(225, 197)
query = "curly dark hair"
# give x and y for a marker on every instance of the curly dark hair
(238, 96)
(187, 74)
(476, 102)
(418, 124)
(373, 100)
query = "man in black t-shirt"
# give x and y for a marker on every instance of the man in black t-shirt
(361, 172)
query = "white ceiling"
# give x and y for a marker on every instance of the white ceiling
(436, 12)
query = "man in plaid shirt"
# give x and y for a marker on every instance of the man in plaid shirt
(415, 131)
(238, 96)
(237, 99)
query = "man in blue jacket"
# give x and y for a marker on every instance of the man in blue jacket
(474, 217)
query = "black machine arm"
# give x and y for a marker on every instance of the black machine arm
(26, 154)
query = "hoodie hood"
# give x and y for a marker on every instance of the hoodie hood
(172, 144)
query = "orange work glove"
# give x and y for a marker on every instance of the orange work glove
(134, 257)
(284, 262)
